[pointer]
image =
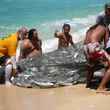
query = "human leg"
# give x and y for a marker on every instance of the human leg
(8, 73)
(89, 76)
(106, 78)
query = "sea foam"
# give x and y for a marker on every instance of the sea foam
(79, 27)
(46, 30)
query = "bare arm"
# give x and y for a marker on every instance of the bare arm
(61, 35)
(58, 34)
(35, 52)
(106, 38)
(71, 41)
(40, 45)
(86, 37)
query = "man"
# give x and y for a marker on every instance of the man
(32, 46)
(106, 16)
(8, 48)
(65, 38)
(94, 54)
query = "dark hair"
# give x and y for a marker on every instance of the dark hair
(3, 59)
(30, 35)
(66, 25)
(92, 27)
(107, 5)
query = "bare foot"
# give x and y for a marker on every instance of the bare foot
(103, 91)
(8, 84)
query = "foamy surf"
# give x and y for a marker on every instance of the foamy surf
(46, 30)
(79, 27)
(49, 45)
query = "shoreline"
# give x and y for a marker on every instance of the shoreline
(64, 98)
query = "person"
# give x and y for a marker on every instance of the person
(95, 55)
(8, 48)
(32, 46)
(65, 38)
(105, 17)
(108, 44)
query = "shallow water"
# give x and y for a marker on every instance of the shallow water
(47, 15)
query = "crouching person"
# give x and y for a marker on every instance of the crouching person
(8, 47)
(95, 55)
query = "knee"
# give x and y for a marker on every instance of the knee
(8, 68)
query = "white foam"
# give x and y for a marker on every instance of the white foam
(52, 44)
(49, 45)
(79, 27)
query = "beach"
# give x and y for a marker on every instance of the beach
(64, 98)
(47, 16)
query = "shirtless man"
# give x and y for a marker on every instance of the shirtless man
(64, 37)
(32, 45)
(94, 36)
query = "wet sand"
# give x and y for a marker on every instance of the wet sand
(63, 98)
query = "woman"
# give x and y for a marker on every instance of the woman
(32, 45)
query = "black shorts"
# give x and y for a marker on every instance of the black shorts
(107, 50)
(3, 60)
(2, 74)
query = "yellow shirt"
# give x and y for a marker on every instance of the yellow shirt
(8, 45)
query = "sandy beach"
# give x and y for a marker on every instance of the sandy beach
(63, 98)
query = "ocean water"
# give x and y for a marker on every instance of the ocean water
(48, 16)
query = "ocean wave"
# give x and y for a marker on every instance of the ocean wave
(79, 27)
(46, 30)
(52, 44)
(96, 5)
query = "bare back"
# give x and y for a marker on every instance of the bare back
(30, 50)
(97, 34)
